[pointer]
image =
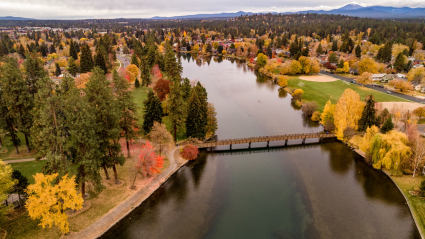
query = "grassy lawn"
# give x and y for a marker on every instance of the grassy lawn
(28, 169)
(406, 184)
(321, 92)
(139, 96)
(8, 151)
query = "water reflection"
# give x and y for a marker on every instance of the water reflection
(312, 191)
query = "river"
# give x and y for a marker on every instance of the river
(311, 191)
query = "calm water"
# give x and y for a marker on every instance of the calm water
(313, 191)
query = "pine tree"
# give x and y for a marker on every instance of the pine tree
(319, 50)
(145, 73)
(135, 60)
(195, 126)
(358, 51)
(107, 116)
(368, 115)
(171, 65)
(86, 59)
(99, 61)
(126, 107)
(186, 88)
(73, 52)
(176, 108)
(388, 125)
(58, 70)
(16, 97)
(34, 72)
(153, 112)
(72, 67)
(399, 63)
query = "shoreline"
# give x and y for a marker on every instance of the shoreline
(120, 211)
(409, 205)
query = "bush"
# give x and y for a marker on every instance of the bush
(189, 152)
(297, 94)
(308, 108)
(316, 116)
(282, 81)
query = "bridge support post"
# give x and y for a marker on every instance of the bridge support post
(268, 142)
(230, 146)
(286, 142)
(303, 140)
(249, 145)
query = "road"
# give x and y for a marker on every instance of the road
(383, 90)
(123, 59)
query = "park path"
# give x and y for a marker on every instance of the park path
(19, 160)
(103, 224)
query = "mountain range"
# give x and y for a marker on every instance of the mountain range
(353, 10)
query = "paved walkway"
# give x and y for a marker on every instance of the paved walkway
(19, 160)
(103, 224)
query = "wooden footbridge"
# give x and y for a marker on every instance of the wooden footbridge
(266, 139)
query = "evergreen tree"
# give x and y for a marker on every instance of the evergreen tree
(358, 51)
(126, 107)
(21, 51)
(319, 49)
(153, 112)
(172, 67)
(73, 52)
(399, 63)
(334, 45)
(145, 73)
(107, 117)
(135, 60)
(52, 49)
(176, 108)
(72, 67)
(99, 61)
(385, 53)
(195, 126)
(136, 83)
(16, 97)
(388, 125)
(186, 87)
(86, 60)
(34, 72)
(58, 70)
(368, 115)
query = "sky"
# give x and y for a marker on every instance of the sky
(83, 9)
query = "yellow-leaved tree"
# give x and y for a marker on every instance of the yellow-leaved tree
(6, 183)
(48, 200)
(327, 117)
(389, 150)
(348, 111)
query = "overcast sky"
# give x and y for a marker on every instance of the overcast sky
(77, 9)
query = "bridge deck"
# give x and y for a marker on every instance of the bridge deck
(267, 139)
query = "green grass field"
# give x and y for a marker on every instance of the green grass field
(139, 96)
(28, 169)
(408, 183)
(321, 92)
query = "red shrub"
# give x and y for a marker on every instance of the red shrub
(189, 152)
(149, 163)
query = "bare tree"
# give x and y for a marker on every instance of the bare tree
(160, 136)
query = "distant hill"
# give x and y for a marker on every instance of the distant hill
(203, 16)
(11, 18)
(355, 10)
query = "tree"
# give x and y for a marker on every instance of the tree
(133, 72)
(189, 152)
(186, 88)
(162, 88)
(17, 98)
(21, 184)
(348, 111)
(401, 85)
(211, 121)
(368, 115)
(385, 52)
(261, 60)
(333, 58)
(172, 66)
(196, 121)
(145, 73)
(367, 64)
(73, 51)
(416, 75)
(327, 117)
(358, 51)
(400, 62)
(135, 60)
(417, 145)
(319, 49)
(48, 200)
(308, 108)
(419, 112)
(86, 59)
(365, 78)
(282, 81)
(6, 183)
(176, 108)
(99, 61)
(34, 72)
(126, 107)
(153, 112)
(149, 163)
(388, 125)
(72, 67)
(159, 135)
(105, 109)
(58, 71)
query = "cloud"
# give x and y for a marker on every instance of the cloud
(73, 9)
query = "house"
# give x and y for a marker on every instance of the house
(379, 77)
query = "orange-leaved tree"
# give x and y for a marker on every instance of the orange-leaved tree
(149, 163)
(48, 200)
(189, 152)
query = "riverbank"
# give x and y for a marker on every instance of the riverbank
(405, 184)
(107, 221)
